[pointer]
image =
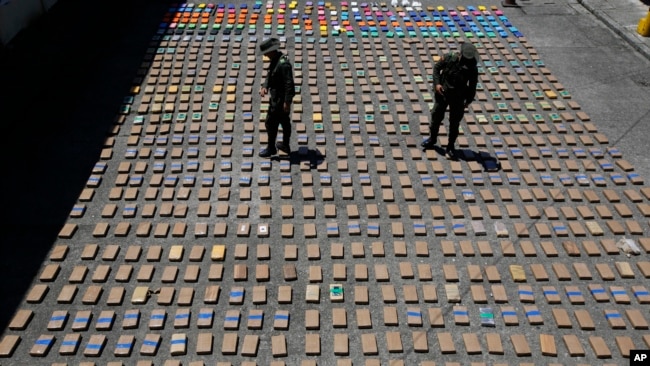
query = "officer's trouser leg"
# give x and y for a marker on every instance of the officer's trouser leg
(456, 113)
(285, 121)
(272, 122)
(437, 115)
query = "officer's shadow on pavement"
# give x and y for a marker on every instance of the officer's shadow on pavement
(303, 155)
(490, 163)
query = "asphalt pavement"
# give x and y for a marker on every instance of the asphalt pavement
(594, 47)
(622, 17)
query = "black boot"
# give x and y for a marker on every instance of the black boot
(284, 147)
(429, 143)
(268, 152)
(450, 153)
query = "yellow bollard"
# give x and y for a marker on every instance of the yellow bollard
(644, 26)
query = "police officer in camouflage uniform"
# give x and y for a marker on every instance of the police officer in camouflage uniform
(279, 83)
(455, 77)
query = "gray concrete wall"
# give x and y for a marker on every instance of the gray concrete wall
(16, 15)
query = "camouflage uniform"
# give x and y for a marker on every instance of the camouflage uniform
(279, 82)
(458, 76)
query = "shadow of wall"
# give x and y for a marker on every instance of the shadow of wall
(63, 80)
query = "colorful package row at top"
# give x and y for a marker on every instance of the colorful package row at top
(370, 20)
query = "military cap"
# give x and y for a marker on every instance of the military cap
(269, 45)
(468, 51)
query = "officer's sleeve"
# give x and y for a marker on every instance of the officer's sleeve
(471, 85)
(266, 82)
(289, 87)
(437, 70)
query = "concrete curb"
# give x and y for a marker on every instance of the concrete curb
(616, 27)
